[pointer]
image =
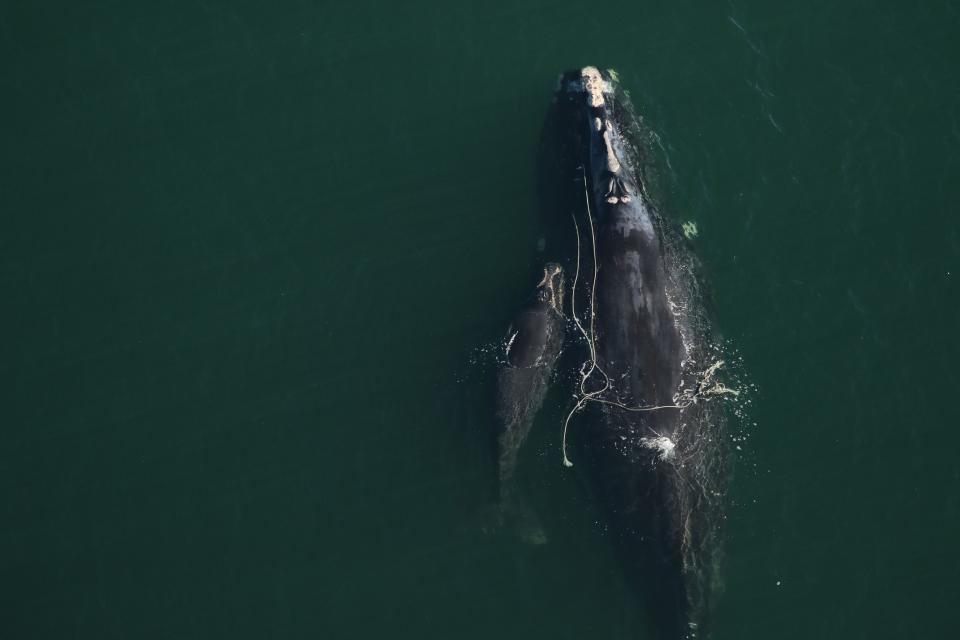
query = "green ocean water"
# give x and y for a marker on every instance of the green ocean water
(251, 255)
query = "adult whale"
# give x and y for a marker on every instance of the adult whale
(646, 426)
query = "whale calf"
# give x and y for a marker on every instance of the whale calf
(530, 351)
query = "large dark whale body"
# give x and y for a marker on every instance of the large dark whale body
(659, 472)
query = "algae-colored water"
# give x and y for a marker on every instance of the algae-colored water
(248, 252)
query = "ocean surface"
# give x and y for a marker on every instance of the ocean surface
(254, 257)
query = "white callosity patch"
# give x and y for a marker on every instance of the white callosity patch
(594, 85)
(663, 445)
(613, 164)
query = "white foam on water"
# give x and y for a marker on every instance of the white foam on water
(662, 444)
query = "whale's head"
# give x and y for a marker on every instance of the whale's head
(595, 111)
(550, 288)
(589, 85)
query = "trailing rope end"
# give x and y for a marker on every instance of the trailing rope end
(566, 461)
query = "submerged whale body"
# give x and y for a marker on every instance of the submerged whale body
(648, 426)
